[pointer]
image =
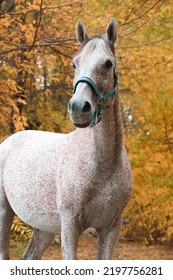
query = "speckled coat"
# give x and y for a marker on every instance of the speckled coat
(69, 182)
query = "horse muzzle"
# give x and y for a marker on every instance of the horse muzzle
(80, 112)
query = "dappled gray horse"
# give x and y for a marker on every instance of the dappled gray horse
(73, 181)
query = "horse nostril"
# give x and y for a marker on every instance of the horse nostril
(86, 107)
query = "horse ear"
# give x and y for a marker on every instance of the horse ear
(111, 31)
(81, 34)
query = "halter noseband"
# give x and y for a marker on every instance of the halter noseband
(98, 113)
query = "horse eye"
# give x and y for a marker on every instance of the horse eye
(108, 63)
(74, 65)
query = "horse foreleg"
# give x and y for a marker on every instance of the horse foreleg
(6, 219)
(70, 233)
(108, 240)
(38, 244)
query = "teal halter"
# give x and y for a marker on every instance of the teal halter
(101, 99)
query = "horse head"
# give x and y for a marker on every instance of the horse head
(95, 79)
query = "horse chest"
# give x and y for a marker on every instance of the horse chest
(99, 211)
(88, 192)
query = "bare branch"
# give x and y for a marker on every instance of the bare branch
(145, 44)
(63, 5)
(17, 13)
(38, 25)
(43, 8)
(60, 52)
(21, 46)
(10, 50)
(141, 25)
(140, 16)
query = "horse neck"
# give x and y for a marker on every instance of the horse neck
(110, 132)
(105, 140)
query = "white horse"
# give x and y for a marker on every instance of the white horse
(71, 182)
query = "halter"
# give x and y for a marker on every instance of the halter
(101, 99)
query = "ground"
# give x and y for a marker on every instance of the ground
(87, 250)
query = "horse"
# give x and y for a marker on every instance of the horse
(71, 182)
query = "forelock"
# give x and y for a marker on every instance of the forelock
(96, 42)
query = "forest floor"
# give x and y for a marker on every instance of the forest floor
(87, 250)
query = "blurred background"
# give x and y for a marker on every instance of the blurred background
(37, 43)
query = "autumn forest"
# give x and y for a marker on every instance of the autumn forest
(37, 43)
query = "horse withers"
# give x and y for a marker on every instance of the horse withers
(75, 181)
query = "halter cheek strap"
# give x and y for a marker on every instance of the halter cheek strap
(101, 99)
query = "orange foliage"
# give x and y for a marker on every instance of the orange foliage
(37, 43)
